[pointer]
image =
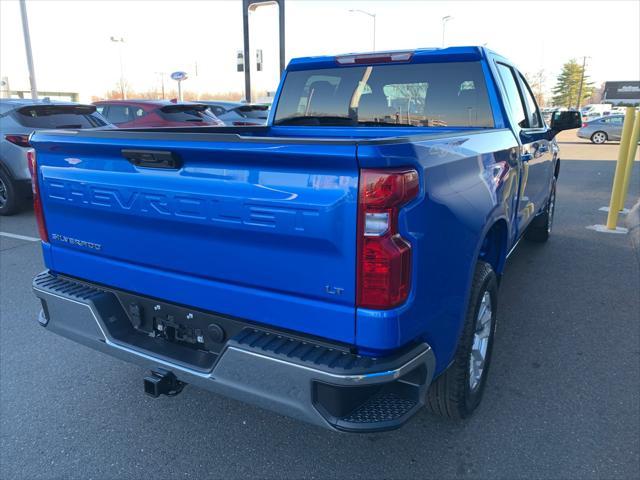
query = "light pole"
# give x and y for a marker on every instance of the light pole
(444, 22)
(373, 16)
(27, 47)
(584, 63)
(120, 42)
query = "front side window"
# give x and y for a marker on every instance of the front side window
(415, 95)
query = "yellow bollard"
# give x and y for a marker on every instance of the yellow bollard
(631, 156)
(618, 178)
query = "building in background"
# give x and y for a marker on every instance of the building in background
(622, 93)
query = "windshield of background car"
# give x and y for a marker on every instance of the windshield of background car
(43, 117)
(420, 95)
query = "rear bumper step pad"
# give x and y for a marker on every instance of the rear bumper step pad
(302, 378)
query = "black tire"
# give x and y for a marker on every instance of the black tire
(599, 137)
(9, 203)
(451, 394)
(539, 230)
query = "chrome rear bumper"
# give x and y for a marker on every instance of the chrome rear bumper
(300, 378)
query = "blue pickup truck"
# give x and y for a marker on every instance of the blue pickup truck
(339, 265)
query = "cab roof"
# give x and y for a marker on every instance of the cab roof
(420, 55)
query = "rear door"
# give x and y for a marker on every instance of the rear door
(613, 127)
(256, 229)
(535, 151)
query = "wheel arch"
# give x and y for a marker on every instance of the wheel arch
(493, 246)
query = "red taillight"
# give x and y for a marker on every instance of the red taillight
(584, 124)
(384, 257)
(37, 201)
(20, 140)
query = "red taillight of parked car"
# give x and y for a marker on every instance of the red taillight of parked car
(20, 140)
(584, 124)
(37, 201)
(384, 257)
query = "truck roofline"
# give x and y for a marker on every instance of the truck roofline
(420, 55)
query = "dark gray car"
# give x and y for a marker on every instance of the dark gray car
(18, 119)
(602, 129)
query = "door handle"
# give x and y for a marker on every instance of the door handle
(152, 158)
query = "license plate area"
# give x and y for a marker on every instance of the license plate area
(178, 325)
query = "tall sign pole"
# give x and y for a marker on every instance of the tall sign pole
(179, 77)
(27, 47)
(247, 7)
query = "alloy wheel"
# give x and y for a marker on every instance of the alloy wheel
(482, 333)
(599, 137)
(552, 209)
(3, 193)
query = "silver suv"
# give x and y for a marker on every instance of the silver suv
(20, 117)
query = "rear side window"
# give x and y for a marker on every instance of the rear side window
(513, 95)
(216, 110)
(534, 120)
(419, 95)
(612, 120)
(53, 117)
(117, 114)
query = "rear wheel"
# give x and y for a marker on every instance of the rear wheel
(457, 392)
(599, 138)
(540, 228)
(8, 199)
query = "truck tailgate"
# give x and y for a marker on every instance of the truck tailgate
(264, 231)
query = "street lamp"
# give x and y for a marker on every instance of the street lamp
(444, 22)
(584, 64)
(120, 42)
(373, 16)
(27, 46)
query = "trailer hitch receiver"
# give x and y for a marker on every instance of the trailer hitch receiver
(162, 382)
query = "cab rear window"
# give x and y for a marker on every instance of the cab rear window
(417, 95)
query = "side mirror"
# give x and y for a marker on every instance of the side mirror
(566, 120)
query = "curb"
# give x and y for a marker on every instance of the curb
(633, 224)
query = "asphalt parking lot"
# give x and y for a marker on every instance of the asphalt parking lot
(561, 402)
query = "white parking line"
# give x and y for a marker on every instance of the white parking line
(19, 237)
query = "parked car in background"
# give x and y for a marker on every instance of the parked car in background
(602, 129)
(18, 119)
(156, 113)
(239, 114)
(547, 113)
(596, 110)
